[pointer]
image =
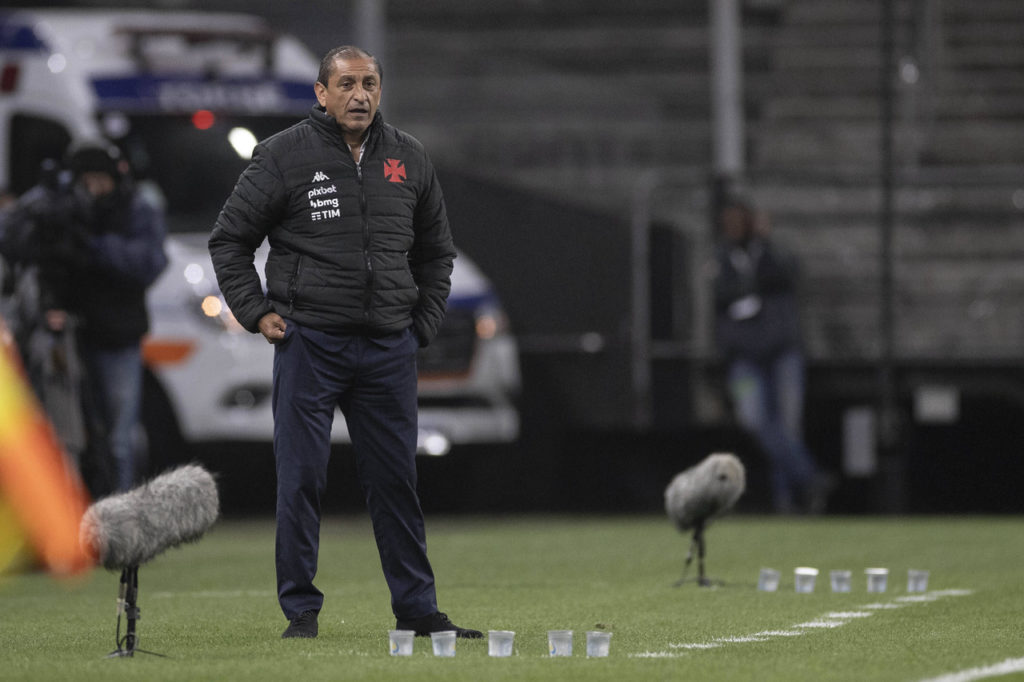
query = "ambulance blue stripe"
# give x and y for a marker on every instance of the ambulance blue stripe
(148, 93)
(15, 36)
(471, 302)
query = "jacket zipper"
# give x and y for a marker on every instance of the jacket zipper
(367, 261)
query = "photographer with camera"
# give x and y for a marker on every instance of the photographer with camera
(91, 245)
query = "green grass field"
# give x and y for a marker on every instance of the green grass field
(211, 607)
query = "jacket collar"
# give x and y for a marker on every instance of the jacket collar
(326, 124)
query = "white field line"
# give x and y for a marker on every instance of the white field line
(833, 619)
(917, 598)
(1010, 665)
(824, 623)
(213, 594)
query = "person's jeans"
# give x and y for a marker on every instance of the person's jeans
(768, 397)
(114, 377)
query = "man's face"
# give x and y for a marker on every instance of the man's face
(351, 96)
(735, 224)
(97, 183)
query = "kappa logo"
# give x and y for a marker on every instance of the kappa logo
(320, 177)
(394, 170)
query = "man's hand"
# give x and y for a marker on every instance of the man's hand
(272, 327)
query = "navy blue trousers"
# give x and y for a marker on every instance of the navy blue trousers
(373, 380)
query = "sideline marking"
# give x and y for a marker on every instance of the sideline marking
(1010, 665)
(822, 624)
(213, 594)
(833, 619)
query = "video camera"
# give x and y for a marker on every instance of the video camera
(53, 204)
(61, 198)
(49, 222)
(52, 221)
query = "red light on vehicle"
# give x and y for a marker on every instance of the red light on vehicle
(203, 119)
(9, 77)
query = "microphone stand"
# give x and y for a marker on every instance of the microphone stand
(127, 596)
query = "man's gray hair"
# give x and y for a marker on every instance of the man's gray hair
(345, 52)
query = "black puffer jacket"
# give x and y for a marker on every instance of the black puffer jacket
(354, 249)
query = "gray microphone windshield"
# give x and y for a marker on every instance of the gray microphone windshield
(130, 528)
(706, 490)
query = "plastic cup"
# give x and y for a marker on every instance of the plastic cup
(917, 580)
(805, 578)
(499, 643)
(768, 580)
(443, 643)
(401, 642)
(598, 643)
(877, 579)
(560, 642)
(840, 580)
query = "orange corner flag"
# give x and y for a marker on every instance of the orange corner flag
(42, 492)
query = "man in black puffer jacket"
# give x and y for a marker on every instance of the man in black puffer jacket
(357, 279)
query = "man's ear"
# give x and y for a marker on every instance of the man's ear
(321, 92)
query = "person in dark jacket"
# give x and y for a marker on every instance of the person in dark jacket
(124, 235)
(96, 245)
(758, 331)
(357, 280)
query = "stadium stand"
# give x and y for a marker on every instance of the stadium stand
(580, 99)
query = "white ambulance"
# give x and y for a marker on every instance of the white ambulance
(186, 96)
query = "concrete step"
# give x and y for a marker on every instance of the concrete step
(529, 97)
(848, 57)
(970, 30)
(854, 205)
(814, 79)
(989, 80)
(857, 143)
(988, 56)
(828, 35)
(573, 144)
(847, 12)
(538, 13)
(970, 11)
(943, 105)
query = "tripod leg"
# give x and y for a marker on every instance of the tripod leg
(696, 548)
(131, 609)
(686, 566)
(127, 604)
(127, 590)
(702, 579)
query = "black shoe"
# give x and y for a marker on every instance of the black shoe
(302, 625)
(436, 622)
